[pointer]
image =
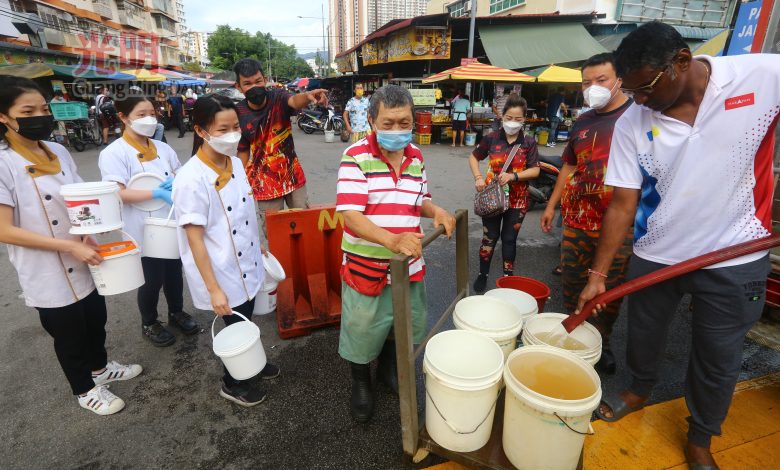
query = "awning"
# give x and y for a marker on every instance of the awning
(713, 47)
(525, 46)
(477, 71)
(610, 42)
(74, 71)
(556, 74)
(144, 75)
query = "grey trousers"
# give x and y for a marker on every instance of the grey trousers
(726, 303)
(298, 199)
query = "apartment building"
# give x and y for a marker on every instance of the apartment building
(380, 12)
(181, 32)
(106, 33)
(198, 46)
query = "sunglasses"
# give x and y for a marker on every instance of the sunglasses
(643, 90)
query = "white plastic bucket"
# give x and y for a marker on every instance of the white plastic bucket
(121, 269)
(330, 137)
(265, 301)
(160, 238)
(523, 301)
(273, 268)
(542, 432)
(490, 316)
(240, 348)
(471, 138)
(463, 372)
(93, 207)
(586, 334)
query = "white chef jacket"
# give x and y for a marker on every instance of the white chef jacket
(231, 234)
(119, 162)
(49, 279)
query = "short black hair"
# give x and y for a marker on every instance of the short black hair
(11, 88)
(247, 68)
(654, 44)
(599, 59)
(204, 112)
(515, 101)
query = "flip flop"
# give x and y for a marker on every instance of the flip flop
(619, 409)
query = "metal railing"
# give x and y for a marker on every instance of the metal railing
(405, 352)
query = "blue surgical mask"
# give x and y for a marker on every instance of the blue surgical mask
(394, 141)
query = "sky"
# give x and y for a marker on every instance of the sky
(278, 17)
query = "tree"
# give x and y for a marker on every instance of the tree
(192, 67)
(227, 45)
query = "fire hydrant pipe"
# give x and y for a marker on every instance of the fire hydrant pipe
(669, 272)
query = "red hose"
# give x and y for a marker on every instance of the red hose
(669, 272)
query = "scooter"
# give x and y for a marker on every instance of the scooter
(311, 121)
(540, 189)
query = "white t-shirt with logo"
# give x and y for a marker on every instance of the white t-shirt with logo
(706, 186)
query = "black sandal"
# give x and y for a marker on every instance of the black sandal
(619, 408)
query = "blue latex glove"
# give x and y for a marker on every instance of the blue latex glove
(167, 184)
(162, 193)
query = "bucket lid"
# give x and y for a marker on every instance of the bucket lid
(273, 267)
(235, 338)
(522, 300)
(88, 189)
(464, 359)
(488, 314)
(110, 250)
(147, 182)
(160, 222)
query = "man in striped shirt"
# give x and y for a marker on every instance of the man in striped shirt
(382, 192)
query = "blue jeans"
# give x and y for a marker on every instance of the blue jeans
(158, 134)
(554, 123)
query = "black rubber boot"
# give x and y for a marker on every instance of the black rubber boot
(387, 368)
(480, 284)
(184, 322)
(362, 400)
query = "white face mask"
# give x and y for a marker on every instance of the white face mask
(145, 126)
(226, 144)
(597, 96)
(512, 127)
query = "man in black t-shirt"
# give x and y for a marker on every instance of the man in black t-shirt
(176, 109)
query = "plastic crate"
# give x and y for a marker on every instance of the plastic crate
(69, 111)
(422, 139)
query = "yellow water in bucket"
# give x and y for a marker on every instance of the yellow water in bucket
(553, 377)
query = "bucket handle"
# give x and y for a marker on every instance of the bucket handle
(215, 321)
(590, 427)
(453, 427)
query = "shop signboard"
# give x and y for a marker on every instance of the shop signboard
(419, 43)
(424, 96)
(347, 63)
(374, 52)
(745, 28)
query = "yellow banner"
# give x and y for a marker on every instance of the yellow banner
(347, 63)
(419, 44)
(409, 44)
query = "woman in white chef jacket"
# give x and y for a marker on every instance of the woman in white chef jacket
(51, 263)
(218, 235)
(133, 154)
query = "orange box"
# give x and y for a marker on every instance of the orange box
(307, 242)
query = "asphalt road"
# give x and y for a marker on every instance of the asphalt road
(174, 417)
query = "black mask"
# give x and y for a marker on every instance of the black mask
(256, 95)
(35, 127)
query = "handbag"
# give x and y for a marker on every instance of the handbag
(492, 200)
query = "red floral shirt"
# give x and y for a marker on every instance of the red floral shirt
(495, 147)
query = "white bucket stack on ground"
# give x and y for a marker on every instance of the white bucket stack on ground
(545, 323)
(265, 302)
(160, 239)
(550, 396)
(523, 301)
(240, 348)
(495, 318)
(96, 208)
(463, 372)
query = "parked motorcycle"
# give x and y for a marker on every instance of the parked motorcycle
(320, 120)
(540, 189)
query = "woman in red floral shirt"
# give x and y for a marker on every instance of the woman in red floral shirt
(496, 147)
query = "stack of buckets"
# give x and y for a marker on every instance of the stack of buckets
(466, 369)
(93, 209)
(265, 302)
(423, 127)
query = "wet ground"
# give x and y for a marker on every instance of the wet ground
(174, 416)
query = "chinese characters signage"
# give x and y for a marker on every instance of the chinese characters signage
(409, 44)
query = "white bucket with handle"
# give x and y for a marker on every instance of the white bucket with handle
(462, 381)
(93, 207)
(539, 328)
(240, 348)
(550, 396)
(265, 302)
(495, 318)
(330, 136)
(121, 270)
(160, 238)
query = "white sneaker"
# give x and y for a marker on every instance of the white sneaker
(101, 401)
(116, 371)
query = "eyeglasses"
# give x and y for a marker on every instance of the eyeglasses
(643, 90)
